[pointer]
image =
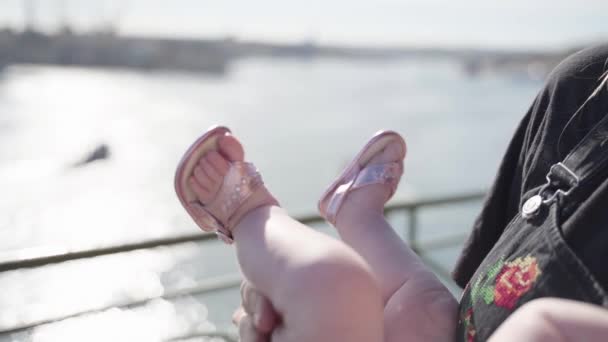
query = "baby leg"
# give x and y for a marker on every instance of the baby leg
(321, 288)
(416, 302)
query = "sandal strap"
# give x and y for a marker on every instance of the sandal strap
(385, 173)
(240, 182)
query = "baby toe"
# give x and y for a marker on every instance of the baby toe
(394, 152)
(231, 148)
(201, 192)
(219, 163)
(213, 174)
(202, 178)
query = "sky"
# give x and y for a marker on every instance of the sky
(472, 23)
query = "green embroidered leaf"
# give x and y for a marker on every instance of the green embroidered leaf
(488, 294)
(494, 270)
(475, 289)
(484, 285)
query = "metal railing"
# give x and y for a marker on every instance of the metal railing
(410, 208)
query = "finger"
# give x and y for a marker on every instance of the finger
(245, 297)
(249, 297)
(238, 315)
(259, 308)
(265, 317)
(248, 333)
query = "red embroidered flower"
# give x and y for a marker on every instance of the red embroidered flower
(469, 327)
(471, 334)
(467, 316)
(514, 280)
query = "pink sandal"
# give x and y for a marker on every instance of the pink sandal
(359, 174)
(239, 183)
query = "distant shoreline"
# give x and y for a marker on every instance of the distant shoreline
(107, 49)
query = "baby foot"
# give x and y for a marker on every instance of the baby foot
(208, 178)
(365, 202)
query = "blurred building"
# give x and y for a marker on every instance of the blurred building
(107, 49)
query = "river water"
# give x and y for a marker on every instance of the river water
(300, 121)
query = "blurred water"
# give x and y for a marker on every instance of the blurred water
(300, 122)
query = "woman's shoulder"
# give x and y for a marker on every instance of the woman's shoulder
(583, 66)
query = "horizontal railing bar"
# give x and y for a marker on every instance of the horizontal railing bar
(225, 336)
(42, 259)
(215, 284)
(443, 242)
(410, 204)
(436, 201)
(218, 284)
(222, 283)
(212, 285)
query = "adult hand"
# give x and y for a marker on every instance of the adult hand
(554, 319)
(256, 318)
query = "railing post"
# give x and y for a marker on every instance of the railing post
(413, 228)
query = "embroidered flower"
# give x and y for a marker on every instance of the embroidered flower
(470, 331)
(514, 280)
(467, 316)
(471, 334)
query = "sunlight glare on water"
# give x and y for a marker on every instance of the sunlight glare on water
(300, 128)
